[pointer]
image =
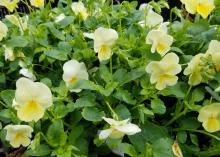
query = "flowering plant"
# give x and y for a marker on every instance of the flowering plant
(92, 78)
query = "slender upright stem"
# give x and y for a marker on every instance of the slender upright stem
(114, 115)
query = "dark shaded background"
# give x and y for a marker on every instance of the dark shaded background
(165, 12)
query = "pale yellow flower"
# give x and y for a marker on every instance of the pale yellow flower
(3, 30)
(79, 9)
(31, 99)
(18, 21)
(37, 3)
(18, 135)
(104, 40)
(176, 149)
(118, 129)
(194, 70)
(164, 72)
(59, 18)
(210, 117)
(27, 73)
(9, 53)
(145, 6)
(214, 51)
(152, 19)
(160, 40)
(74, 71)
(9, 4)
(202, 7)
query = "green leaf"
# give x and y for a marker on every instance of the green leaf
(212, 93)
(66, 21)
(124, 96)
(7, 116)
(198, 94)
(85, 101)
(194, 139)
(182, 136)
(62, 90)
(119, 75)
(179, 90)
(61, 110)
(150, 132)
(65, 46)
(8, 96)
(17, 41)
(56, 32)
(55, 134)
(158, 106)
(189, 123)
(198, 27)
(65, 151)
(92, 114)
(123, 112)
(163, 147)
(2, 78)
(109, 88)
(42, 150)
(86, 84)
(46, 81)
(132, 75)
(128, 149)
(56, 54)
(75, 134)
(104, 73)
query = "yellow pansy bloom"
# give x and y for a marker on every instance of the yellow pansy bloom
(3, 30)
(163, 72)
(79, 9)
(18, 135)
(37, 3)
(74, 71)
(118, 129)
(104, 40)
(210, 117)
(202, 7)
(152, 18)
(9, 4)
(194, 70)
(214, 51)
(160, 40)
(31, 99)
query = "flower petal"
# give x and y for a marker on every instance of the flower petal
(205, 8)
(30, 112)
(105, 134)
(129, 129)
(110, 120)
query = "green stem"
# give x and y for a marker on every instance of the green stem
(45, 138)
(145, 18)
(111, 71)
(28, 6)
(199, 131)
(208, 153)
(177, 117)
(187, 94)
(114, 115)
(186, 105)
(20, 22)
(3, 104)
